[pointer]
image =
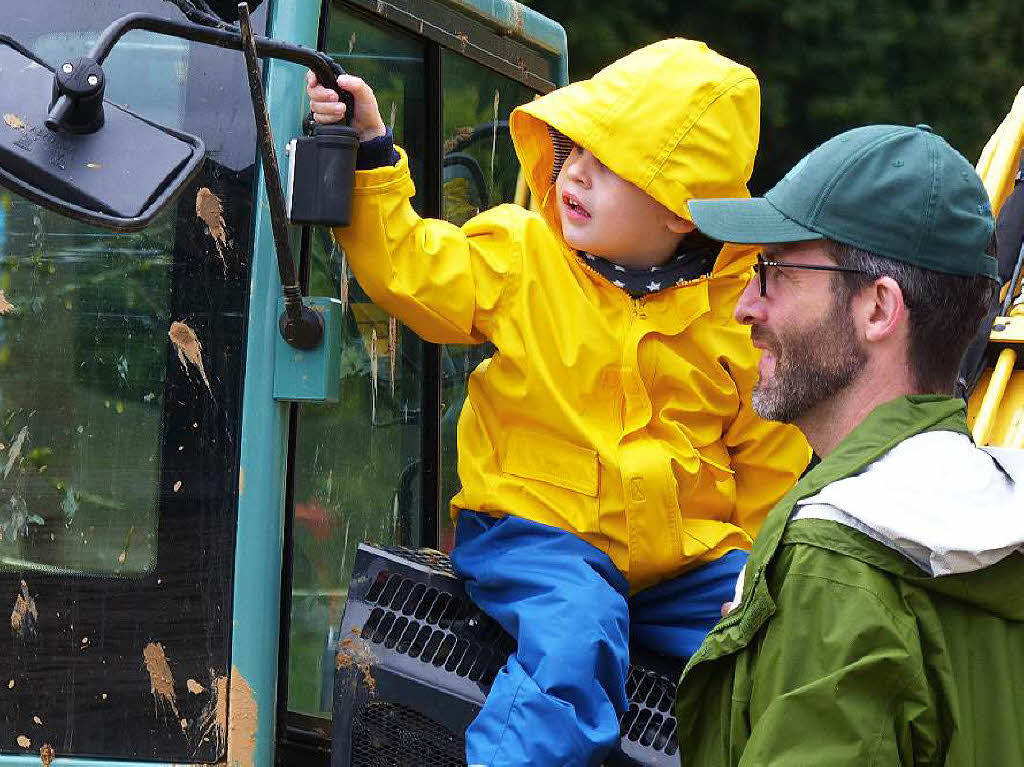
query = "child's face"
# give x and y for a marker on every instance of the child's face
(603, 214)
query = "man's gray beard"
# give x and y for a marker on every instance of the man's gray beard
(810, 368)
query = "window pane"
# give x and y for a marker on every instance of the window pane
(82, 392)
(82, 379)
(357, 462)
(480, 170)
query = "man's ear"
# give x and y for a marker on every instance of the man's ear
(678, 224)
(883, 311)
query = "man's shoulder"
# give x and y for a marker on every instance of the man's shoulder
(847, 558)
(822, 538)
(831, 556)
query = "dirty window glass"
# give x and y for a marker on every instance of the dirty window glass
(357, 464)
(121, 375)
(82, 391)
(480, 171)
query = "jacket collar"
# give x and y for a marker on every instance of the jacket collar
(694, 259)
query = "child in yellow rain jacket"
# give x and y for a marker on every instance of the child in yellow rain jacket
(613, 472)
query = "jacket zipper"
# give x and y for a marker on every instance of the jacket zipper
(638, 307)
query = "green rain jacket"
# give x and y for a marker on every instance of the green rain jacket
(846, 649)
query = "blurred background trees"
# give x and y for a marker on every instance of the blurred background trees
(829, 65)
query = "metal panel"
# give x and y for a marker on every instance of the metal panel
(257, 589)
(513, 18)
(417, 659)
(311, 375)
(486, 42)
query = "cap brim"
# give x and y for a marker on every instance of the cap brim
(753, 221)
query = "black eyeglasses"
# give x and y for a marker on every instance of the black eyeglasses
(762, 266)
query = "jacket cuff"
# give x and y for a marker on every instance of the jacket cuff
(377, 152)
(386, 178)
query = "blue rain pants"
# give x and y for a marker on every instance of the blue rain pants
(558, 700)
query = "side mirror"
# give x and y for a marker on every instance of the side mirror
(66, 148)
(118, 176)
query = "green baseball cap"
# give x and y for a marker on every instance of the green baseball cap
(896, 191)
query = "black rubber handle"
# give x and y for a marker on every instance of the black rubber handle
(346, 98)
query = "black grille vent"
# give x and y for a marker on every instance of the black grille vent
(392, 735)
(649, 720)
(434, 655)
(435, 627)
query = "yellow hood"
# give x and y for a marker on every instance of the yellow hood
(675, 118)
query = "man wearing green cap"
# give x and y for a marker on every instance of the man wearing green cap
(880, 619)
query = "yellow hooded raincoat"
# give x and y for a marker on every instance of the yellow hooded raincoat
(625, 421)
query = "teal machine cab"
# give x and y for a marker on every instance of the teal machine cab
(182, 486)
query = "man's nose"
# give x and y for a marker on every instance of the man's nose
(750, 307)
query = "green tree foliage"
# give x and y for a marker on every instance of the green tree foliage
(829, 65)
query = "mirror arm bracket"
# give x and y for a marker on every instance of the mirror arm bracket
(300, 326)
(325, 68)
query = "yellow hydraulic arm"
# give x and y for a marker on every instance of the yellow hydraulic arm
(996, 408)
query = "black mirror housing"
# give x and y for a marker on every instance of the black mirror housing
(119, 177)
